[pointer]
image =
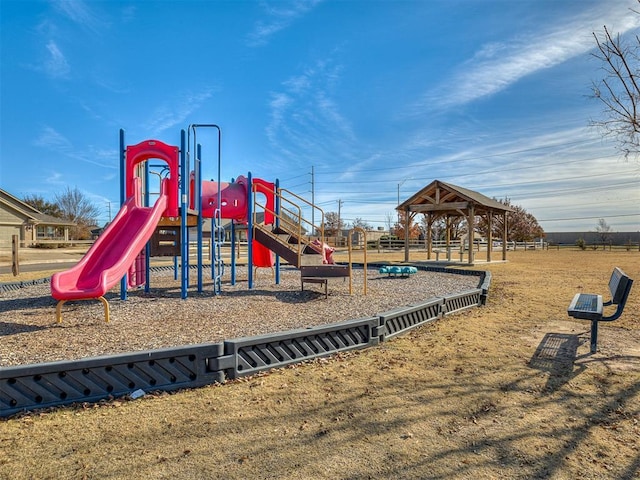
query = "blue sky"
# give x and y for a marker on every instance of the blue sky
(378, 97)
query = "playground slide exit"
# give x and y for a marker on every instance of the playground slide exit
(110, 257)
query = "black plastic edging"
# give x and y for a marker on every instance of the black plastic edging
(249, 355)
(27, 387)
(13, 286)
(400, 320)
(461, 301)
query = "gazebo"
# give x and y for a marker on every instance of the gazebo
(440, 199)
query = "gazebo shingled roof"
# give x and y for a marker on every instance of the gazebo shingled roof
(440, 198)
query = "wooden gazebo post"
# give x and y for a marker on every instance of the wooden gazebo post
(448, 237)
(489, 235)
(407, 222)
(429, 236)
(471, 230)
(504, 238)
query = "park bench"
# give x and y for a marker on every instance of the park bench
(321, 280)
(588, 306)
(321, 274)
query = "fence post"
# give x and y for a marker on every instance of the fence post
(15, 255)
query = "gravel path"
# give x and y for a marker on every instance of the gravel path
(30, 334)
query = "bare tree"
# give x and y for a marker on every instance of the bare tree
(332, 224)
(42, 205)
(619, 90)
(604, 230)
(359, 222)
(77, 208)
(389, 220)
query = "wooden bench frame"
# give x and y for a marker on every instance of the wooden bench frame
(320, 280)
(588, 306)
(321, 274)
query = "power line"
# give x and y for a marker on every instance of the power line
(588, 218)
(510, 184)
(571, 191)
(468, 159)
(293, 178)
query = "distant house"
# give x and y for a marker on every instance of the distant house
(31, 225)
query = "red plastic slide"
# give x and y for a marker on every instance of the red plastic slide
(262, 256)
(109, 258)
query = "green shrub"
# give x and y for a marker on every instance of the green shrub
(580, 243)
(46, 246)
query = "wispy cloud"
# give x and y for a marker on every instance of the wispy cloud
(129, 13)
(175, 113)
(279, 15)
(306, 120)
(52, 140)
(80, 13)
(56, 64)
(496, 66)
(55, 178)
(546, 169)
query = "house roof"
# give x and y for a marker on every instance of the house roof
(33, 215)
(446, 198)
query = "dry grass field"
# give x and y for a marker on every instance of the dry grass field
(474, 395)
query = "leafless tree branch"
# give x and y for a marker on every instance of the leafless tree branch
(619, 90)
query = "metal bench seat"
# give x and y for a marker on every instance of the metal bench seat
(586, 306)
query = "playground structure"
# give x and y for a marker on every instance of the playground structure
(122, 254)
(142, 230)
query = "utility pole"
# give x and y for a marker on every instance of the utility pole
(399, 185)
(339, 218)
(313, 201)
(398, 224)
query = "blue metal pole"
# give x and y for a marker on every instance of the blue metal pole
(250, 230)
(147, 248)
(197, 195)
(184, 233)
(123, 195)
(217, 281)
(277, 219)
(216, 265)
(233, 252)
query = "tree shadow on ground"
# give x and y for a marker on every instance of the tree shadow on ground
(26, 303)
(9, 328)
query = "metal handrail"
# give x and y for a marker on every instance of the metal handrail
(309, 204)
(293, 221)
(217, 263)
(282, 219)
(364, 233)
